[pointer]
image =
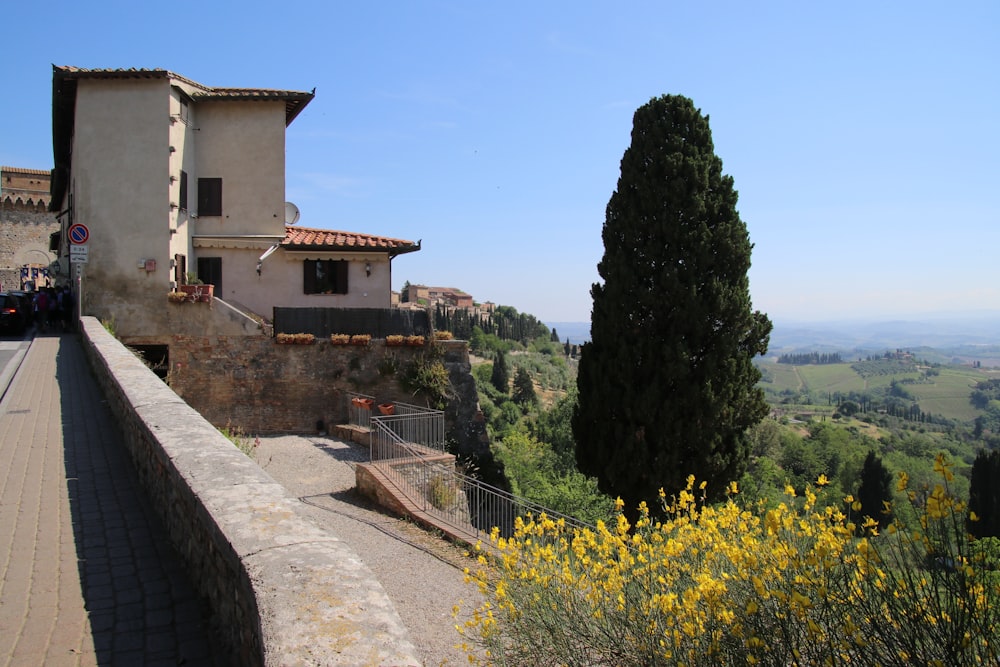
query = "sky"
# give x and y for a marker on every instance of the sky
(863, 137)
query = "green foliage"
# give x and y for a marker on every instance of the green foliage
(667, 383)
(535, 472)
(524, 388)
(554, 427)
(500, 377)
(737, 583)
(426, 376)
(240, 440)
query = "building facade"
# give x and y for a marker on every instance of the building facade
(176, 182)
(26, 228)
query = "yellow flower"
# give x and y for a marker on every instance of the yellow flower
(822, 481)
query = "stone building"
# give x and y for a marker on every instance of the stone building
(26, 227)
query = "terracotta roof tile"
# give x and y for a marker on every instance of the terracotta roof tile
(305, 238)
(22, 170)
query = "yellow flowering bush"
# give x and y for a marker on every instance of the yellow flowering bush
(732, 585)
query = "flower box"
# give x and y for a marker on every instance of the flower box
(202, 293)
(294, 339)
(395, 340)
(360, 339)
(178, 297)
(387, 408)
(340, 339)
(415, 341)
(443, 335)
(363, 403)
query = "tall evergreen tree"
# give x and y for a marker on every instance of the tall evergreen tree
(524, 387)
(875, 490)
(984, 495)
(500, 378)
(666, 383)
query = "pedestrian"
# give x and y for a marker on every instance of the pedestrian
(67, 308)
(41, 309)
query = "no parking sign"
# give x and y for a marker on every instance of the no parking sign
(78, 234)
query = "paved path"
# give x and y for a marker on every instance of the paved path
(89, 575)
(421, 572)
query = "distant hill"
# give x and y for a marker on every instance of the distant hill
(577, 332)
(945, 338)
(957, 338)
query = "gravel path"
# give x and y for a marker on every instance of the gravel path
(421, 573)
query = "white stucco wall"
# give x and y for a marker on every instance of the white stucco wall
(243, 143)
(281, 284)
(120, 186)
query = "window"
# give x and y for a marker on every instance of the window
(209, 196)
(184, 191)
(180, 269)
(324, 276)
(210, 272)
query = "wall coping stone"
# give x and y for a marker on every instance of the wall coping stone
(284, 590)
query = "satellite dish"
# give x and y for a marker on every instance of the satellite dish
(291, 213)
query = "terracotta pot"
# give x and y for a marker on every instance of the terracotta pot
(387, 408)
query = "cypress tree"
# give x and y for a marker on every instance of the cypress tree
(666, 384)
(875, 489)
(500, 378)
(524, 387)
(984, 495)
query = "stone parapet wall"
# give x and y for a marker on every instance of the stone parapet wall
(283, 591)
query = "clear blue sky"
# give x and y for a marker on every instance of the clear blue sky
(863, 137)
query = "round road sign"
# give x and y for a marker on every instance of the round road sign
(78, 234)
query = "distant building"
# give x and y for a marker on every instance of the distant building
(26, 227)
(445, 296)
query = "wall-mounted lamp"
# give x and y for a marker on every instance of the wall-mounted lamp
(368, 269)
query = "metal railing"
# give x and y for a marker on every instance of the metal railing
(416, 425)
(426, 476)
(409, 448)
(359, 409)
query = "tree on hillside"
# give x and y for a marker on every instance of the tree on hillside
(666, 384)
(984, 495)
(500, 379)
(875, 490)
(524, 387)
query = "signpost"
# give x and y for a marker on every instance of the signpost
(78, 254)
(78, 236)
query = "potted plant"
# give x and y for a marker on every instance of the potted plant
(177, 297)
(443, 335)
(294, 339)
(363, 403)
(361, 339)
(198, 292)
(340, 339)
(387, 408)
(415, 341)
(395, 340)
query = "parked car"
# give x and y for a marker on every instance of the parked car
(11, 317)
(27, 305)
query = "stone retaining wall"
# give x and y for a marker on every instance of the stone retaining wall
(284, 591)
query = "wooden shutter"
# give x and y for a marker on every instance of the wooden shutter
(341, 286)
(309, 276)
(209, 196)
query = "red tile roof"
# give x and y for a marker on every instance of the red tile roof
(304, 238)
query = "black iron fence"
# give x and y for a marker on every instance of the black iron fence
(379, 322)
